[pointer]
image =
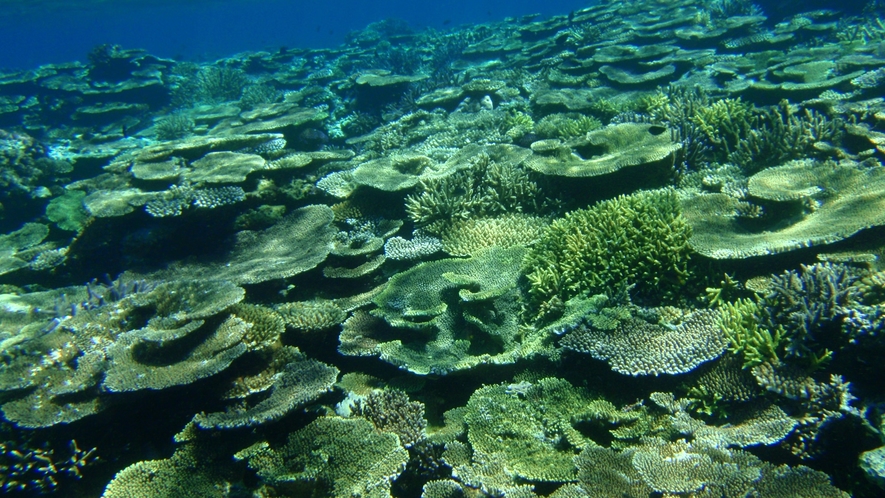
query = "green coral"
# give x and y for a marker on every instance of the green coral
(532, 428)
(489, 186)
(813, 304)
(606, 109)
(566, 125)
(454, 314)
(220, 84)
(636, 239)
(781, 134)
(746, 336)
(173, 127)
(68, 212)
(518, 123)
(724, 122)
(331, 456)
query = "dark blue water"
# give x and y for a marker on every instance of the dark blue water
(43, 31)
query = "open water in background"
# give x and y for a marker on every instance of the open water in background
(36, 32)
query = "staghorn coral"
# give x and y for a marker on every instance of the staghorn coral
(566, 125)
(331, 456)
(639, 239)
(489, 181)
(220, 84)
(28, 466)
(725, 122)
(812, 304)
(174, 127)
(637, 347)
(781, 134)
(254, 96)
(756, 344)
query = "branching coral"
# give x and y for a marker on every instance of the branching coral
(812, 303)
(566, 125)
(220, 84)
(740, 321)
(486, 187)
(782, 134)
(639, 239)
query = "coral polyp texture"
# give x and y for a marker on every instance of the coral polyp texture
(633, 250)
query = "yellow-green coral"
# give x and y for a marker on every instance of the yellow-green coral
(746, 336)
(724, 122)
(636, 239)
(566, 125)
(493, 183)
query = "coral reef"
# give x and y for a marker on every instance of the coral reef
(508, 240)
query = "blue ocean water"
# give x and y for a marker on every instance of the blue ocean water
(45, 31)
